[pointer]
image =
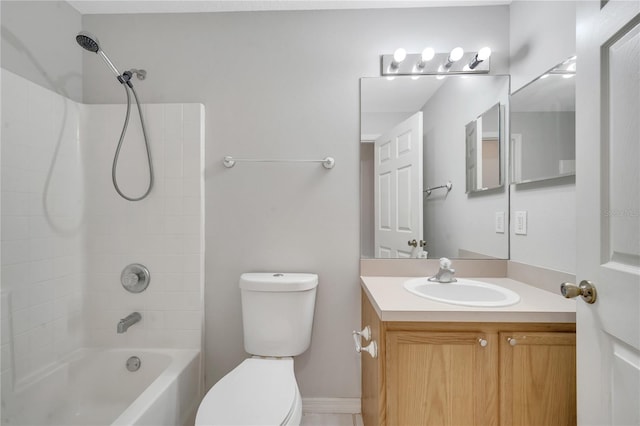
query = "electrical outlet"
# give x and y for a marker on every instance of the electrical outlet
(500, 222)
(520, 225)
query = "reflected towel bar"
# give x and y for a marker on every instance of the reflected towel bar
(448, 185)
(327, 162)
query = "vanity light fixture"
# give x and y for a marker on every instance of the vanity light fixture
(567, 69)
(482, 55)
(398, 57)
(426, 55)
(455, 55)
(429, 62)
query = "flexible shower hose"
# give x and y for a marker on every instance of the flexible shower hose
(146, 143)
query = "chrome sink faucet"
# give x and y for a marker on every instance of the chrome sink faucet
(128, 321)
(445, 274)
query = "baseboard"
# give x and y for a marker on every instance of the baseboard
(331, 405)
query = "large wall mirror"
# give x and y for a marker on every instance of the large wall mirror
(414, 169)
(543, 116)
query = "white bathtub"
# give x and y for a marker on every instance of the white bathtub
(95, 388)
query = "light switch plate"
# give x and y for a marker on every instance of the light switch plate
(500, 222)
(520, 224)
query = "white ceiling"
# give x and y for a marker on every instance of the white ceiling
(195, 6)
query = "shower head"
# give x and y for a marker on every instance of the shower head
(90, 42)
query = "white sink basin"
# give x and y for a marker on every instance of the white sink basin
(463, 292)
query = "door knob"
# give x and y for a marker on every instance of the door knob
(586, 290)
(413, 243)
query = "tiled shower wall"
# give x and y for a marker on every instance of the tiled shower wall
(163, 232)
(43, 228)
(66, 234)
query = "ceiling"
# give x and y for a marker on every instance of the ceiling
(194, 6)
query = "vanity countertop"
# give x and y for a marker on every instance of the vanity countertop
(393, 302)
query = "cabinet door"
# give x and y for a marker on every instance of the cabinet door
(441, 378)
(538, 378)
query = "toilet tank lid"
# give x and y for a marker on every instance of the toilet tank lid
(270, 281)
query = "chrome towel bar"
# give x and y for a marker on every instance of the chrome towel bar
(229, 161)
(447, 185)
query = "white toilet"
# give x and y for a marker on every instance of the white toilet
(277, 317)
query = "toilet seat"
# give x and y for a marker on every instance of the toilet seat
(260, 391)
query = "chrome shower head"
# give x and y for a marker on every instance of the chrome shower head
(90, 42)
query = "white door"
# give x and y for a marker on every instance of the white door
(398, 189)
(608, 211)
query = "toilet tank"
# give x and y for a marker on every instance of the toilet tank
(277, 312)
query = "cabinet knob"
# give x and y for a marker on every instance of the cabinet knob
(483, 342)
(365, 333)
(371, 348)
(512, 341)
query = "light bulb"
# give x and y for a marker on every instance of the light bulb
(428, 54)
(456, 54)
(399, 55)
(484, 53)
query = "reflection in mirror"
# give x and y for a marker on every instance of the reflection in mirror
(543, 126)
(483, 151)
(413, 168)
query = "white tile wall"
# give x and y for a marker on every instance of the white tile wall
(43, 231)
(163, 231)
(66, 235)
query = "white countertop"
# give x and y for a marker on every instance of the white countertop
(393, 302)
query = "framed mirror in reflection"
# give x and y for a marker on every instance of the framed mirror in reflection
(414, 202)
(483, 142)
(543, 126)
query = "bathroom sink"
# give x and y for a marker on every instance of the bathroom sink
(463, 292)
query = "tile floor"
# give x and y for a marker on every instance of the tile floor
(317, 419)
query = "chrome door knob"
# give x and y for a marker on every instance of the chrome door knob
(586, 290)
(412, 243)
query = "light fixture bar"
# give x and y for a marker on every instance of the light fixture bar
(433, 67)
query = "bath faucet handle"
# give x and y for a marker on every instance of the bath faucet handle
(445, 263)
(130, 279)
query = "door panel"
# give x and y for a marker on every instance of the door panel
(451, 377)
(398, 189)
(538, 379)
(608, 203)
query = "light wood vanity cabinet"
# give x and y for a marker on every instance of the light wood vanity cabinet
(468, 373)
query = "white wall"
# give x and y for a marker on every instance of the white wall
(164, 231)
(38, 43)
(542, 34)
(458, 221)
(551, 213)
(43, 230)
(281, 84)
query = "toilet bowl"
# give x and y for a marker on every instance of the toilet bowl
(260, 391)
(277, 319)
